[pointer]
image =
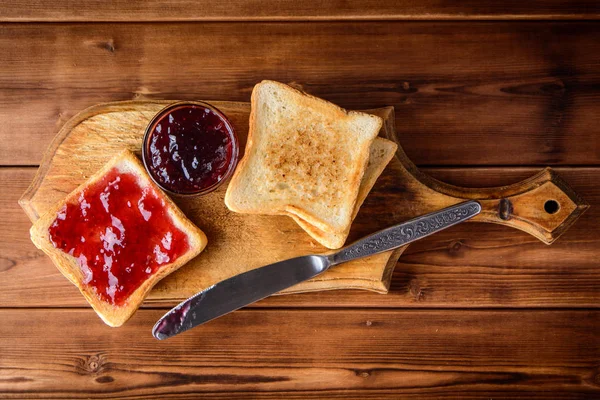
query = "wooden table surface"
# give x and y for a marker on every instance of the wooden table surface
(486, 93)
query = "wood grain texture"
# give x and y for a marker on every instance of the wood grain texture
(468, 94)
(291, 10)
(457, 87)
(474, 265)
(305, 354)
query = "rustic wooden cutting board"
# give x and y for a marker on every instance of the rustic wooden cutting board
(543, 205)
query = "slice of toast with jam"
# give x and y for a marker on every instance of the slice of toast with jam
(116, 236)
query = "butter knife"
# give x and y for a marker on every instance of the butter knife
(241, 290)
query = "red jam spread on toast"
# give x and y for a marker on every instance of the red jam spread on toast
(190, 148)
(120, 233)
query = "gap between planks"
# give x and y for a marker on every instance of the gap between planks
(291, 10)
(542, 18)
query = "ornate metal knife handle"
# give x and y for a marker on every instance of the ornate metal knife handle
(407, 232)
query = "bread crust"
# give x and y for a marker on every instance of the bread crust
(111, 314)
(350, 193)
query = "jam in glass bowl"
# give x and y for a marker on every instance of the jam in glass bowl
(190, 148)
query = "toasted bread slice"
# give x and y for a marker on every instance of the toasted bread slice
(381, 152)
(304, 155)
(77, 270)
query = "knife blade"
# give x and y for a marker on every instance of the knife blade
(249, 287)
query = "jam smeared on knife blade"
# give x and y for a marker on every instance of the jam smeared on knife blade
(172, 323)
(189, 148)
(179, 319)
(120, 234)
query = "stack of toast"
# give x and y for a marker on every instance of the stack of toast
(308, 159)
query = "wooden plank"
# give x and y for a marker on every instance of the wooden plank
(474, 265)
(485, 93)
(305, 353)
(277, 10)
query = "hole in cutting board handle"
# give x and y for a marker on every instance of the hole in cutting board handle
(551, 206)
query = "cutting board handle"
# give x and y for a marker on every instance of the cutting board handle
(543, 206)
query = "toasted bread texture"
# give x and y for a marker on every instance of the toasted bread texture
(381, 152)
(111, 314)
(304, 156)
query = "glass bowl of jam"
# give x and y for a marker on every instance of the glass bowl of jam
(190, 148)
